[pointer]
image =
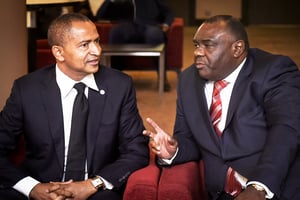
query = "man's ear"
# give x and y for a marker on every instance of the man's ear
(57, 52)
(238, 48)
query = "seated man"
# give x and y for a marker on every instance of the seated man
(147, 23)
(108, 146)
(238, 110)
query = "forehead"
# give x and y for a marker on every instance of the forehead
(83, 30)
(81, 27)
(211, 31)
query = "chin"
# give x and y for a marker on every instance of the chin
(93, 68)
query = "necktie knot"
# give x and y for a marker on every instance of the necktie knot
(219, 85)
(79, 87)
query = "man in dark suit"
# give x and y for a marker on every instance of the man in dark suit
(251, 152)
(40, 109)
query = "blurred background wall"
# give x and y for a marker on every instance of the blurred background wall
(13, 48)
(252, 11)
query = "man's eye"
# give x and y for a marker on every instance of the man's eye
(97, 41)
(84, 45)
(209, 44)
(196, 45)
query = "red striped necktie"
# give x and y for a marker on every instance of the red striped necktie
(216, 105)
(232, 185)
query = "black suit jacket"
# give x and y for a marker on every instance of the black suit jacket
(261, 135)
(115, 144)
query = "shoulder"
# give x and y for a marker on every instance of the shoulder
(190, 73)
(261, 56)
(112, 78)
(44, 74)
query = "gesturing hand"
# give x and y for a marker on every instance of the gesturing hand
(161, 143)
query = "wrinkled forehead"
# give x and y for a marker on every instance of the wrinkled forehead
(211, 31)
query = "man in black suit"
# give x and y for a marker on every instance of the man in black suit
(251, 152)
(40, 109)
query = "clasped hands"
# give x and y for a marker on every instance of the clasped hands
(79, 190)
(161, 143)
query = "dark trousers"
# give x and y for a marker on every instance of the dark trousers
(132, 33)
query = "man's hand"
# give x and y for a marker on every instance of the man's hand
(250, 193)
(162, 144)
(164, 27)
(79, 190)
(46, 191)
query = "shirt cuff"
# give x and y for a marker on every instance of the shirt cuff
(25, 185)
(269, 194)
(107, 185)
(169, 161)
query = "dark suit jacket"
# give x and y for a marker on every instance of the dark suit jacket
(261, 135)
(115, 144)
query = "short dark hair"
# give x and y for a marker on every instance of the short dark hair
(234, 26)
(60, 27)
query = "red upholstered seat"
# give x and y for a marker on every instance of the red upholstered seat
(43, 54)
(182, 182)
(143, 183)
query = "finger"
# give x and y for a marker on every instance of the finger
(153, 124)
(155, 150)
(53, 188)
(148, 133)
(154, 145)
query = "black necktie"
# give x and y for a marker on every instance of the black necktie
(76, 158)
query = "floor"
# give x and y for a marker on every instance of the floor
(277, 39)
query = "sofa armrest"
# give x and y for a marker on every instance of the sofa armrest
(182, 181)
(143, 183)
(175, 44)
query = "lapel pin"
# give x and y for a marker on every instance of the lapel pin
(102, 92)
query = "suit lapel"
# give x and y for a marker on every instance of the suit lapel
(198, 113)
(239, 88)
(52, 103)
(96, 106)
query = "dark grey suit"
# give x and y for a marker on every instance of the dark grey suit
(115, 144)
(261, 134)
